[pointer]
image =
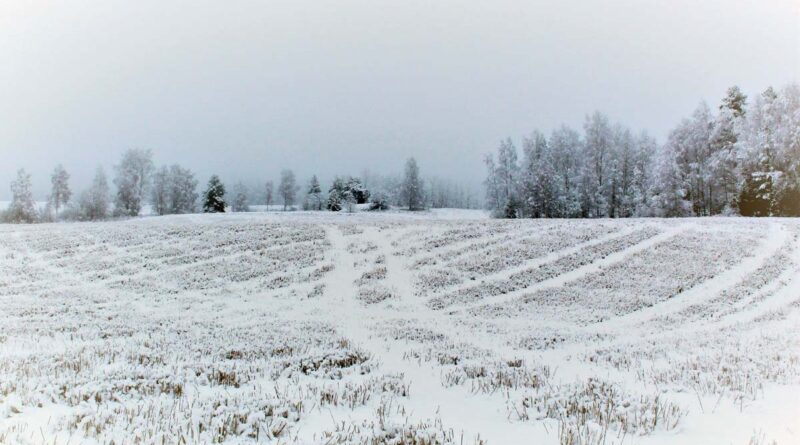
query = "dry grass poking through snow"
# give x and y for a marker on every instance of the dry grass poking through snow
(393, 329)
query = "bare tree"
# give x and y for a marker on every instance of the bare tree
(269, 190)
(174, 190)
(239, 203)
(288, 188)
(60, 193)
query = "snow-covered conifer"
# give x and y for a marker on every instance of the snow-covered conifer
(214, 196)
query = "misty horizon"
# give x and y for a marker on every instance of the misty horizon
(247, 90)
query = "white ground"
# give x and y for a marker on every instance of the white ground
(439, 327)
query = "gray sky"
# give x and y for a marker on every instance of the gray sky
(246, 88)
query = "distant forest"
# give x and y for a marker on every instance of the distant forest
(173, 189)
(741, 159)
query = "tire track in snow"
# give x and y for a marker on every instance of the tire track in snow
(467, 414)
(578, 273)
(466, 247)
(705, 291)
(536, 262)
(780, 296)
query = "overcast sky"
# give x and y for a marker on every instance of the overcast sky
(245, 88)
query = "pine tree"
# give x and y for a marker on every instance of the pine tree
(214, 196)
(336, 195)
(314, 194)
(357, 190)
(60, 193)
(756, 198)
(512, 209)
(724, 159)
(734, 100)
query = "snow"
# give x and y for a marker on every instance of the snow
(440, 325)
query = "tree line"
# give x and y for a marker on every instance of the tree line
(173, 190)
(742, 159)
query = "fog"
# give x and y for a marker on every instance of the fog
(245, 89)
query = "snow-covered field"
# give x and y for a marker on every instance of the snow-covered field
(398, 328)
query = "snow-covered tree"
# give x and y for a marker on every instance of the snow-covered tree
(214, 196)
(565, 150)
(644, 174)
(669, 196)
(288, 188)
(413, 187)
(346, 192)
(239, 203)
(159, 190)
(379, 201)
(537, 179)
(769, 149)
(757, 197)
(173, 190)
(503, 181)
(494, 203)
(621, 175)
(744, 158)
(787, 157)
(22, 208)
(596, 184)
(95, 203)
(336, 195)
(723, 163)
(357, 190)
(314, 194)
(60, 192)
(132, 179)
(183, 192)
